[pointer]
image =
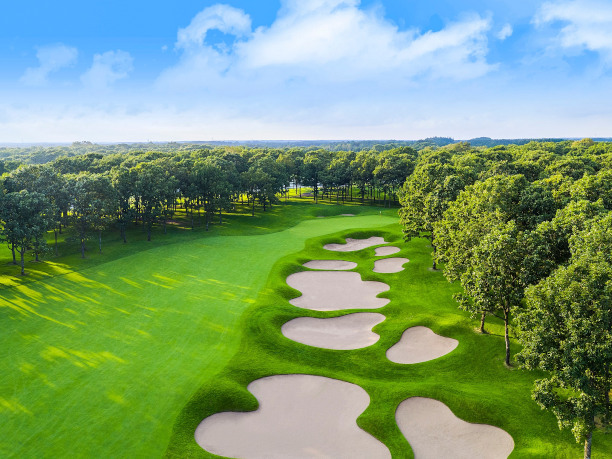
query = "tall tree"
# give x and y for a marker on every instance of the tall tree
(93, 206)
(314, 165)
(477, 211)
(427, 193)
(566, 330)
(154, 188)
(26, 217)
(504, 263)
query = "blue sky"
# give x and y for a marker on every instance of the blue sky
(304, 69)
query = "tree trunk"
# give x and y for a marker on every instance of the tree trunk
(434, 266)
(55, 233)
(13, 250)
(220, 217)
(587, 445)
(100, 240)
(82, 248)
(207, 216)
(482, 322)
(607, 393)
(21, 252)
(506, 334)
(253, 208)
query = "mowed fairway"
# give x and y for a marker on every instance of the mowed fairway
(471, 380)
(99, 362)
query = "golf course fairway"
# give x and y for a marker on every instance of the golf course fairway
(99, 362)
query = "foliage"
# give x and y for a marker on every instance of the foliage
(566, 330)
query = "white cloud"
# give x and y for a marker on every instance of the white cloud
(51, 58)
(323, 42)
(588, 24)
(107, 68)
(224, 18)
(505, 32)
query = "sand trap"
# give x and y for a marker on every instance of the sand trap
(352, 331)
(333, 265)
(298, 416)
(335, 290)
(420, 344)
(384, 251)
(347, 215)
(390, 265)
(433, 431)
(355, 244)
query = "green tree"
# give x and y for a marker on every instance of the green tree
(314, 165)
(26, 217)
(154, 188)
(566, 330)
(93, 206)
(571, 220)
(478, 210)
(392, 171)
(504, 263)
(427, 193)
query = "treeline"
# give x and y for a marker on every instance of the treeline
(13, 156)
(94, 192)
(527, 231)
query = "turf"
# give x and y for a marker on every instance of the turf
(100, 355)
(472, 380)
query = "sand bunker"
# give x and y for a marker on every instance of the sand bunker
(298, 416)
(355, 244)
(333, 265)
(433, 431)
(352, 331)
(347, 215)
(332, 291)
(420, 344)
(390, 265)
(384, 251)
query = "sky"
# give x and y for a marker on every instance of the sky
(128, 71)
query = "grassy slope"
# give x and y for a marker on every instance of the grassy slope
(99, 356)
(472, 380)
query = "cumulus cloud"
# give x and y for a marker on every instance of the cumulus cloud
(224, 18)
(107, 68)
(505, 32)
(51, 58)
(588, 24)
(324, 41)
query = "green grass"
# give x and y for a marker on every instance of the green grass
(471, 380)
(124, 353)
(99, 356)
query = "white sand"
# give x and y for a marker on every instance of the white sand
(333, 265)
(390, 265)
(347, 215)
(420, 344)
(335, 290)
(384, 251)
(355, 244)
(434, 432)
(299, 416)
(352, 331)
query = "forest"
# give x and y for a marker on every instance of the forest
(525, 229)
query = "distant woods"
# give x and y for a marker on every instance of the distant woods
(95, 192)
(527, 231)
